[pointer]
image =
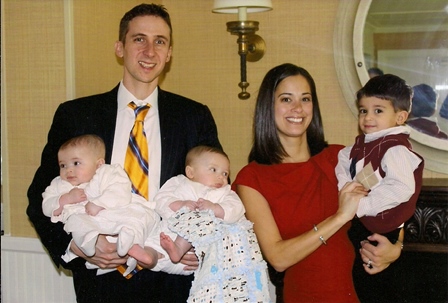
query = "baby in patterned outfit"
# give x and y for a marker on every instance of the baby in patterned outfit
(200, 210)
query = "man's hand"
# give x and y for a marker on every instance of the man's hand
(105, 254)
(380, 256)
(190, 260)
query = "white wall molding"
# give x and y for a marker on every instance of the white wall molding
(30, 276)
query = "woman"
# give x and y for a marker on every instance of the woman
(289, 190)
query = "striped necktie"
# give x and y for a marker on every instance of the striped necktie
(137, 155)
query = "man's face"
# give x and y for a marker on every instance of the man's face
(145, 52)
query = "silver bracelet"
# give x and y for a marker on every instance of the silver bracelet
(321, 238)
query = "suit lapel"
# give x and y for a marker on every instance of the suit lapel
(109, 119)
(167, 136)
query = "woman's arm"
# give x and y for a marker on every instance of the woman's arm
(280, 253)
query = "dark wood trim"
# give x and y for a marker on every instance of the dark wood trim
(427, 230)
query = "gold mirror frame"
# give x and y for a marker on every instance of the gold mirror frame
(351, 72)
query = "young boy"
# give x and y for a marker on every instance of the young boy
(204, 212)
(92, 198)
(382, 159)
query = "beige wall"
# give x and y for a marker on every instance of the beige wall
(205, 67)
(33, 82)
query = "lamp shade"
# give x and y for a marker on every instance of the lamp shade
(232, 6)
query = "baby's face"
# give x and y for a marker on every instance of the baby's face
(77, 165)
(210, 169)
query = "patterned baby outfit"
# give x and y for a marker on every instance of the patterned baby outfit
(231, 267)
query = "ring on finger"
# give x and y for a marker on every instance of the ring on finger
(369, 264)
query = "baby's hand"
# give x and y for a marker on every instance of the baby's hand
(92, 209)
(203, 204)
(217, 209)
(176, 205)
(75, 195)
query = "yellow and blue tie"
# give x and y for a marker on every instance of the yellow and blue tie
(136, 162)
(137, 155)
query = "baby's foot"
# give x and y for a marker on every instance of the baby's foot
(138, 253)
(171, 248)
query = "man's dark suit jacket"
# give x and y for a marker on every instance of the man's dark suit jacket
(184, 124)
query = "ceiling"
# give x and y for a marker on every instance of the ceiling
(404, 14)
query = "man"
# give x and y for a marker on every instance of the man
(173, 125)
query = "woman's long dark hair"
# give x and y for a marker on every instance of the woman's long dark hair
(266, 148)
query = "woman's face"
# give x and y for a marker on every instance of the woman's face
(293, 106)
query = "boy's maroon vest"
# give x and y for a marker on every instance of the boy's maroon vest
(390, 219)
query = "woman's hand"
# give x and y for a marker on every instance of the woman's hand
(380, 256)
(105, 256)
(349, 197)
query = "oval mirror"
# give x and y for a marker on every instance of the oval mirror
(408, 38)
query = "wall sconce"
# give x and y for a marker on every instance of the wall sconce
(251, 47)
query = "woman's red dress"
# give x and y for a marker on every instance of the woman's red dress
(301, 195)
